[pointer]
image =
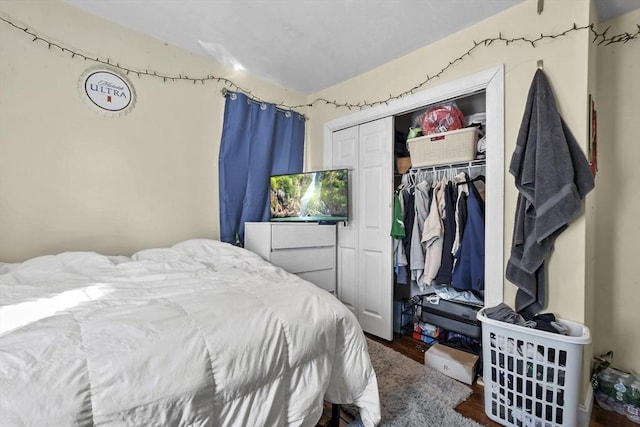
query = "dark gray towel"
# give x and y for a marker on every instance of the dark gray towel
(552, 176)
(503, 313)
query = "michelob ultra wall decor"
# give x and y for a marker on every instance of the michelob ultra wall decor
(107, 91)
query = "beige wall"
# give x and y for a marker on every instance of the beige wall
(617, 282)
(71, 178)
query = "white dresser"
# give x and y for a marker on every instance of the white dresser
(305, 249)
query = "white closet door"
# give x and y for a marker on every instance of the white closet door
(345, 155)
(365, 260)
(375, 302)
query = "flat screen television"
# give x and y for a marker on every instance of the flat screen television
(320, 196)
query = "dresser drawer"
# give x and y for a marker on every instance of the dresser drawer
(302, 235)
(304, 259)
(325, 279)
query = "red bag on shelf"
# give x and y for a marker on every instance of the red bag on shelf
(442, 118)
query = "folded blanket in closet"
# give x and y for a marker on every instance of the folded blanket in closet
(553, 176)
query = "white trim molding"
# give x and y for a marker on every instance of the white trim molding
(584, 409)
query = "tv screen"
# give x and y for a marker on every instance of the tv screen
(320, 196)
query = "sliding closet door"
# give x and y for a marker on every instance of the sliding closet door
(374, 211)
(365, 262)
(345, 155)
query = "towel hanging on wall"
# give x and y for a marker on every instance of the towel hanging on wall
(552, 176)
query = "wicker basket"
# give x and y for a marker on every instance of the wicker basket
(442, 148)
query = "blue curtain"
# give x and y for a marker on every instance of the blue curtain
(258, 140)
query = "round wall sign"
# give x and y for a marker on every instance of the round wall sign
(110, 92)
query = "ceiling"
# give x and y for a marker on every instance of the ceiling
(307, 45)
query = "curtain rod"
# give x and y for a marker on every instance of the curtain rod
(226, 92)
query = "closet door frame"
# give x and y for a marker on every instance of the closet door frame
(492, 82)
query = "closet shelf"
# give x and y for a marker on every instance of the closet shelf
(461, 165)
(473, 168)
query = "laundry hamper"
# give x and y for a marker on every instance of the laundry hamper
(532, 377)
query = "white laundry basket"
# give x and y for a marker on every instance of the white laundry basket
(532, 377)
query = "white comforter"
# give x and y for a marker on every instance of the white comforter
(200, 334)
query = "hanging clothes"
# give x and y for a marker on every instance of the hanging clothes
(397, 225)
(552, 176)
(431, 259)
(461, 209)
(468, 273)
(433, 233)
(398, 233)
(449, 223)
(409, 216)
(422, 198)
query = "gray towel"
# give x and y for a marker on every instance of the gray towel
(503, 313)
(552, 176)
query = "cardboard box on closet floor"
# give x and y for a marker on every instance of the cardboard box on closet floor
(454, 363)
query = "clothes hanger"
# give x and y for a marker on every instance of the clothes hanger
(468, 181)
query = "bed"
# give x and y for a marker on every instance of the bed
(202, 333)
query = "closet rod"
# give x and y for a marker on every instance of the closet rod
(469, 181)
(417, 174)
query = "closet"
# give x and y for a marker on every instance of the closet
(364, 143)
(439, 222)
(443, 165)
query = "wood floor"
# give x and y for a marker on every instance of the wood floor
(474, 406)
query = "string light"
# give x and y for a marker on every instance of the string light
(599, 38)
